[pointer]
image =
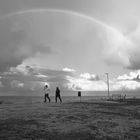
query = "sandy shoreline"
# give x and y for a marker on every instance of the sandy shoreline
(90, 119)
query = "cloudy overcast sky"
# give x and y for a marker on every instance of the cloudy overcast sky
(70, 43)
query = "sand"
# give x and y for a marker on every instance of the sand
(30, 119)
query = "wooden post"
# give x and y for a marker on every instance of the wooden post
(79, 95)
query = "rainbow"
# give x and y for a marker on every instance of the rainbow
(92, 19)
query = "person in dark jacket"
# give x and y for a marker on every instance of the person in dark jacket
(57, 94)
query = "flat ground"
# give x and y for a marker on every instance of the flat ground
(88, 120)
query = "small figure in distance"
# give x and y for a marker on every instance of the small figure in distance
(46, 93)
(79, 95)
(57, 94)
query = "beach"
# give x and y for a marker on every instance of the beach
(28, 118)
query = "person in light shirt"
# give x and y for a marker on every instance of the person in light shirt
(46, 93)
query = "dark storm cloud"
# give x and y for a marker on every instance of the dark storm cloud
(135, 61)
(9, 41)
(15, 45)
(31, 78)
(52, 72)
(56, 77)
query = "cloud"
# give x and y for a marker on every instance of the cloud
(88, 82)
(116, 48)
(23, 78)
(83, 82)
(134, 57)
(25, 34)
(128, 82)
(41, 75)
(69, 70)
(57, 77)
(125, 84)
(123, 48)
(33, 78)
(29, 32)
(16, 44)
(17, 84)
(89, 76)
(19, 42)
(132, 76)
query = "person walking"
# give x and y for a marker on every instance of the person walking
(57, 94)
(46, 93)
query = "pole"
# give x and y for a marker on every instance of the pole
(107, 82)
(79, 95)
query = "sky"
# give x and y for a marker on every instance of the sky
(70, 44)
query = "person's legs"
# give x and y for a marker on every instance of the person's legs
(48, 98)
(60, 99)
